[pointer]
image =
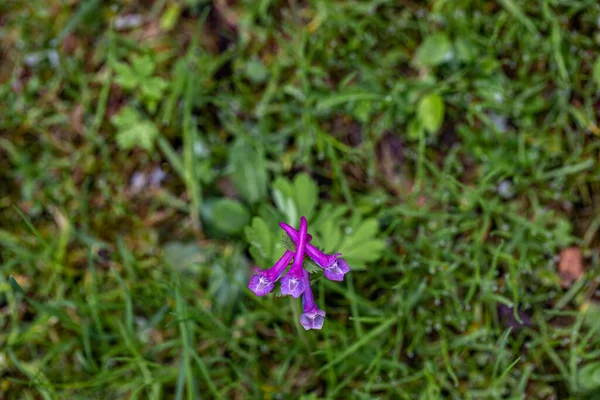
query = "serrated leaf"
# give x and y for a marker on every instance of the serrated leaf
(306, 194)
(248, 171)
(430, 112)
(310, 266)
(434, 50)
(288, 243)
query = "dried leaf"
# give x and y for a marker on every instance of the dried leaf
(570, 266)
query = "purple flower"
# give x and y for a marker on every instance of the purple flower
(294, 283)
(337, 270)
(264, 280)
(312, 318)
(334, 268)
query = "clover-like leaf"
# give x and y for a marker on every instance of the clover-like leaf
(125, 76)
(154, 87)
(143, 65)
(134, 129)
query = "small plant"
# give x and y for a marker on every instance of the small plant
(296, 282)
(139, 77)
(133, 129)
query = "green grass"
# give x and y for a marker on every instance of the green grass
(450, 150)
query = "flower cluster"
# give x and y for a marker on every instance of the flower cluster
(296, 282)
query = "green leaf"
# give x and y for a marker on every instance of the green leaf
(414, 129)
(126, 117)
(366, 230)
(261, 243)
(589, 377)
(358, 253)
(430, 112)
(142, 134)
(330, 235)
(229, 216)
(248, 171)
(256, 71)
(170, 17)
(283, 196)
(466, 50)
(134, 130)
(60, 313)
(288, 243)
(183, 256)
(284, 186)
(362, 246)
(306, 194)
(434, 50)
(125, 77)
(153, 88)
(310, 266)
(362, 110)
(15, 285)
(227, 279)
(596, 71)
(296, 199)
(143, 65)
(329, 212)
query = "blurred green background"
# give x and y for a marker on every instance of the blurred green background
(450, 150)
